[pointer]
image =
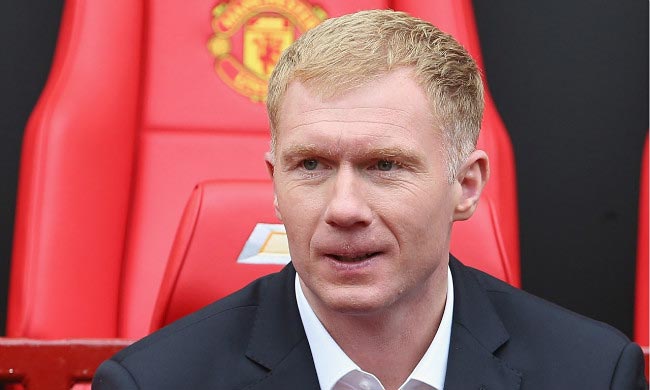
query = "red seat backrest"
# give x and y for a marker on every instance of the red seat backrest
(643, 258)
(216, 224)
(136, 111)
(219, 218)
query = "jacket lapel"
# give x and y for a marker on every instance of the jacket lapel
(476, 334)
(278, 340)
(279, 344)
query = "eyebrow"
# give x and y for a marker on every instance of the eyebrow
(405, 155)
(301, 150)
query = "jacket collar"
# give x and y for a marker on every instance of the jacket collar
(278, 340)
(279, 344)
(477, 333)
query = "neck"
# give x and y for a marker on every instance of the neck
(391, 342)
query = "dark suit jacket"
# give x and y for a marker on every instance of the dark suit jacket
(502, 338)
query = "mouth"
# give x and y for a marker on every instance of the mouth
(353, 259)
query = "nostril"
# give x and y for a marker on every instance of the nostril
(347, 221)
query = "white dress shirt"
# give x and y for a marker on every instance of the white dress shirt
(336, 371)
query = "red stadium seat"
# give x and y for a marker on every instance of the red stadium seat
(641, 305)
(144, 101)
(53, 365)
(202, 268)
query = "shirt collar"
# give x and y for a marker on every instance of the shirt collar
(332, 363)
(432, 368)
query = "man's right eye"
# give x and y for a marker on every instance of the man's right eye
(310, 164)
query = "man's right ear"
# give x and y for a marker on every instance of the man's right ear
(268, 157)
(270, 162)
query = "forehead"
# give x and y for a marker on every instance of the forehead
(393, 105)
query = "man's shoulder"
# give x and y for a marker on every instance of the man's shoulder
(522, 313)
(218, 315)
(190, 343)
(232, 343)
(553, 347)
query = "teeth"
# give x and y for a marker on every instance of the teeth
(358, 258)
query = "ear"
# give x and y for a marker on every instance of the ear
(472, 177)
(269, 158)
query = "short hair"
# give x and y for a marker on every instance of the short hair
(347, 52)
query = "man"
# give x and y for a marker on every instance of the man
(374, 119)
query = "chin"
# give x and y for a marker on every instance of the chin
(355, 302)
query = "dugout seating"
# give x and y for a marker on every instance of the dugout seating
(144, 101)
(133, 116)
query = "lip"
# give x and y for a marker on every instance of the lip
(352, 258)
(352, 262)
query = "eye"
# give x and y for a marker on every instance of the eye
(310, 164)
(385, 165)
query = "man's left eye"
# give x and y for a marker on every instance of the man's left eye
(310, 164)
(385, 165)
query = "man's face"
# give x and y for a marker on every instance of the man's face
(362, 189)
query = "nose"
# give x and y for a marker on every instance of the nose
(348, 204)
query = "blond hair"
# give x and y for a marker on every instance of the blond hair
(347, 52)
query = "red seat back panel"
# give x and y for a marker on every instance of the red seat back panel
(133, 116)
(218, 220)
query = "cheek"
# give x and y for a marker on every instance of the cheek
(299, 205)
(421, 217)
(301, 211)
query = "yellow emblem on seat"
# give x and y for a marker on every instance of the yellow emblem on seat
(249, 36)
(267, 244)
(276, 243)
